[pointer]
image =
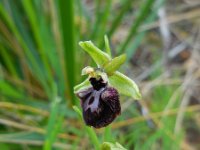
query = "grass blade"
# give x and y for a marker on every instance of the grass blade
(8, 61)
(67, 25)
(143, 13)
(28, 7)
(118, 18)
(54, 124)
(38, 70)
(102, 13)
(139, 37)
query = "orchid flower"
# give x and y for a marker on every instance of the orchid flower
(99, 93)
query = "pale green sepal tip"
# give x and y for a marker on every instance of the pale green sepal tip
(97, 55)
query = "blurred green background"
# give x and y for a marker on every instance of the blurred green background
(41, 61)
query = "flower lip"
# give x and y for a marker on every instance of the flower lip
(100, 103)
(108, 108)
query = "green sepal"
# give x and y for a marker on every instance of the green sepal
(125, 85)
(97, 55)
(118, 80)
(114, 64)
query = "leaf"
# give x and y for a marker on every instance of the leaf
(114, 64)
(111, 146)
(125, 85)
(97, 55)
(85, 84)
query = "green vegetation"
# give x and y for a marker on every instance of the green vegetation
(41, 58)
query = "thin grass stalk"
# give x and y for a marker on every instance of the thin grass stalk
(143, 14)
(118, 18)
(8, 61)
(101, 20)
(140, 36)
(11, 25)
(57, 60)
(54, 122)
(85, 19)
(80, 19)
(104, 20)
(98, 4)
(18, 51)
(28, 7)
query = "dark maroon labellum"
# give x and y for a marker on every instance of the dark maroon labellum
(100, 103)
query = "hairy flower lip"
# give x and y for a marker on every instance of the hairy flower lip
(109, 109)
(100, 103)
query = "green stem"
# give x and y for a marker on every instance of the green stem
(107, 134)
